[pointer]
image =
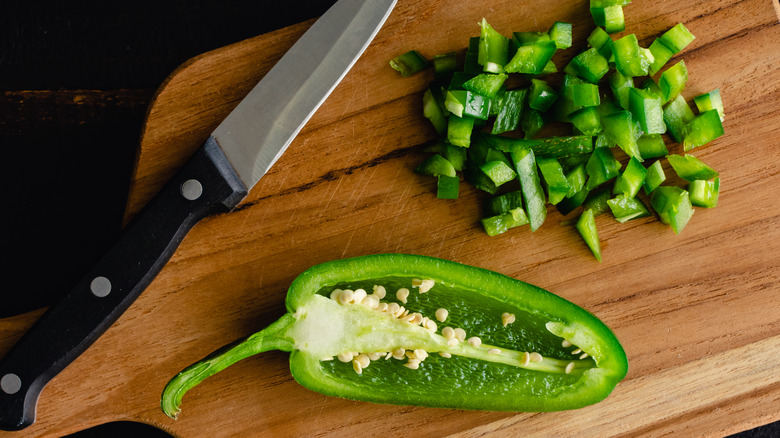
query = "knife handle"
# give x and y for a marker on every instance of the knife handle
(206, 184)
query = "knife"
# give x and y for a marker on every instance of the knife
(214, 180)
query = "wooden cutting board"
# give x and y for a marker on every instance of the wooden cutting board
(697, 312)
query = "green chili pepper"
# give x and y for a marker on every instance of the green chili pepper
(504, 203)
(587, 120)
(611, 18)
(435, 165)
(652, 146)
(409, 63)
(447, 187)
(620, 85)
(444, 65)
(661, 55)
(673, 206)
(473, 339)
(510, 111)
(588, 65)
(531, 58)
(433, 112)
(691, 168)
(655, 176)
(601, 167)
(672, 81)
(459, 130)
(501, 223)
(601, 41)
(677, 38)
(704, 193)
(541, 95)
(597, 201)
(677, 115)
(647, 109)
(709, 101)
(498, 172)
(702, 129)
(625, 208)
(632, 178)
(623, 130)
(554, 179)
(493, 49)
(533, 195)
(560, 33)
(630, 59)
(586, 226)
(485, 84)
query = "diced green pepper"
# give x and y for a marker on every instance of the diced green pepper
(447, 187)
(576, 178)
(350, 306)
(677, 38)
(672, 81)
(432, 111)
(652, 146)
(501, 204)
(632, 178)
(525, 38)
(702, 129)
(486, 84)
(554, 179)
(624, 208)
(545, 147)
(435, 165)
(655, 176)
(673, 206)
(471, 60)
(648, 110)
(630, 59)
(601, 41)
(531, 58)
(476, 177)
(409, 63)
(459, 130)
(560, 33)
(704, 193)
(501, 223)
(444, 65)
(601, 167)
(588, 65)
(709, 101)
(541, 95)
(587, 120)
(623, 130)
(620, 85)
(661, 55)
(531, 122)
(597, 201)
(454, 154)
(691, 168)
(586, 226)
(677, 115)
(465, 103)
(569, 204)
(510, 111)
(533, 195)
(586, 94)
(493, 49)
(611, 18)
(498, 172)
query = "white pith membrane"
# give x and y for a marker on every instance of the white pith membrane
(358, 327)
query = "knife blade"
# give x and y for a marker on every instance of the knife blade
(214, 180)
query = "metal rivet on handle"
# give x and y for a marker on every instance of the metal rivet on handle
(100, 287)
(10, 383)
(191, 189)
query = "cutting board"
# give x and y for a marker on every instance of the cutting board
(697, 312)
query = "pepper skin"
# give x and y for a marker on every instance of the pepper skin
(538, 352)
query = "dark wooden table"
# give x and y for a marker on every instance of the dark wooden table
(75, 82)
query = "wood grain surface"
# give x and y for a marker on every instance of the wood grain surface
(697, 312)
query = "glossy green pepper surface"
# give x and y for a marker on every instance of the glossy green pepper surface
(501, 344)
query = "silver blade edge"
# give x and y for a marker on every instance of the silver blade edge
(256, 133)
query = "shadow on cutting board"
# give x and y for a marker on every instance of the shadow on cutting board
(121, 429)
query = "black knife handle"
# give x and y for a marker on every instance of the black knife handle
(207, 184)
